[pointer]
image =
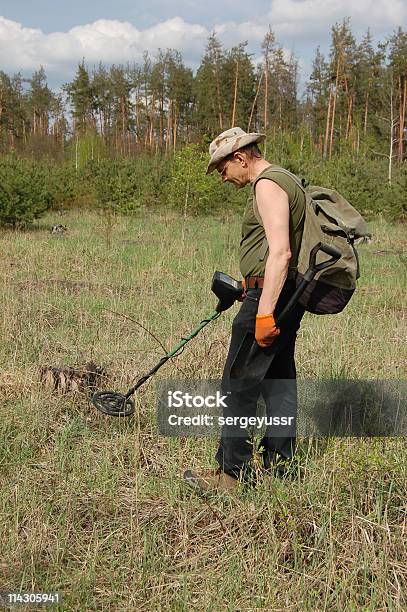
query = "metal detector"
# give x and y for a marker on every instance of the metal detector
(227, 290)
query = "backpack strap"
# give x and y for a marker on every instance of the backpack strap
(297, 181)
(264, 245)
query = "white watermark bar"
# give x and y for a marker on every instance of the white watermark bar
(282, 408)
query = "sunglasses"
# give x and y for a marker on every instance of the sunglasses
(224, 169)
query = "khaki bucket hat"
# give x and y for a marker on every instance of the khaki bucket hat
(228, 142)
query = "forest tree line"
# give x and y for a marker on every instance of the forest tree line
(357, 94)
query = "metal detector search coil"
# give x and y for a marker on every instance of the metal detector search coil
(113, 403)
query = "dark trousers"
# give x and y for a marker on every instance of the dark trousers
(271, 373)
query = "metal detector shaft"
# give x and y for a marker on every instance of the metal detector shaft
(214, 315)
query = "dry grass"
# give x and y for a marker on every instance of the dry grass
(94, 507)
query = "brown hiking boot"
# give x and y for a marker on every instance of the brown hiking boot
(214, 481)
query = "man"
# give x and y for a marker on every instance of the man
(273, 222)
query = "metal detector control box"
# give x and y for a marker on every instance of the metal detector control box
(226, 289)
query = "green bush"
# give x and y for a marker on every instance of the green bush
(25, 192)
(127, 186)
(64, 184)
(393, 197)
(192, 192)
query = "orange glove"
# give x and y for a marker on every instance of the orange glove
(266, 330)
(240, 299)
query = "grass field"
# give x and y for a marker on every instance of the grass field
(94, 507)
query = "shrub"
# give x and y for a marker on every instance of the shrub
(128, 185)
(64, 185)
(191, 191)
(24, 191)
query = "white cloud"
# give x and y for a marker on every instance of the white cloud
(306, 18)
(104, 40)
(299, 25)
(247, 30)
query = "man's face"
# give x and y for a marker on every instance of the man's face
(232, 170)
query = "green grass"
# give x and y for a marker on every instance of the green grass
(94, 507)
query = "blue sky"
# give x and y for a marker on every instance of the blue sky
(51, 15)
(58, 35)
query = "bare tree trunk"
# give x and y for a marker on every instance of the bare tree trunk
(331, 137)
(366, 111)
(235, 94)
(124, 124)
(266, 101)
(389, 177)
(218, 97)
(334, 108)
(280, 112)
(137, 118)
(161, 122)
(254, 101)
(62, 140)
(76, 153)
(151, 123)
(146, 113)
(102, 131)
(403, 102)
(349, 118)
(169, 130)
(175, 128)
(328, 120)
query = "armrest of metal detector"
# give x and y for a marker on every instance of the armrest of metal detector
(226, 289)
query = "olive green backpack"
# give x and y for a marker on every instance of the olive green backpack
(329, 218)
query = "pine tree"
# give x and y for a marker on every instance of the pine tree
(341, 94)
(122, 107)
(158, 87)
(179, 86)
(283, 90)
(82, 98)
(238, 82)
(268, 45)
(208, 88)
(317, 91)
(40, 100)
(102, 88)
(398, 63)
(13, 110)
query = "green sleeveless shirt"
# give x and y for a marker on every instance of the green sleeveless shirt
(253, 246)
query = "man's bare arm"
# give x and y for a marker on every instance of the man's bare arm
(274, 210)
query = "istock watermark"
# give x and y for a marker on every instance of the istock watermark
(242, 422)
(281, 408)
(178, 399)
